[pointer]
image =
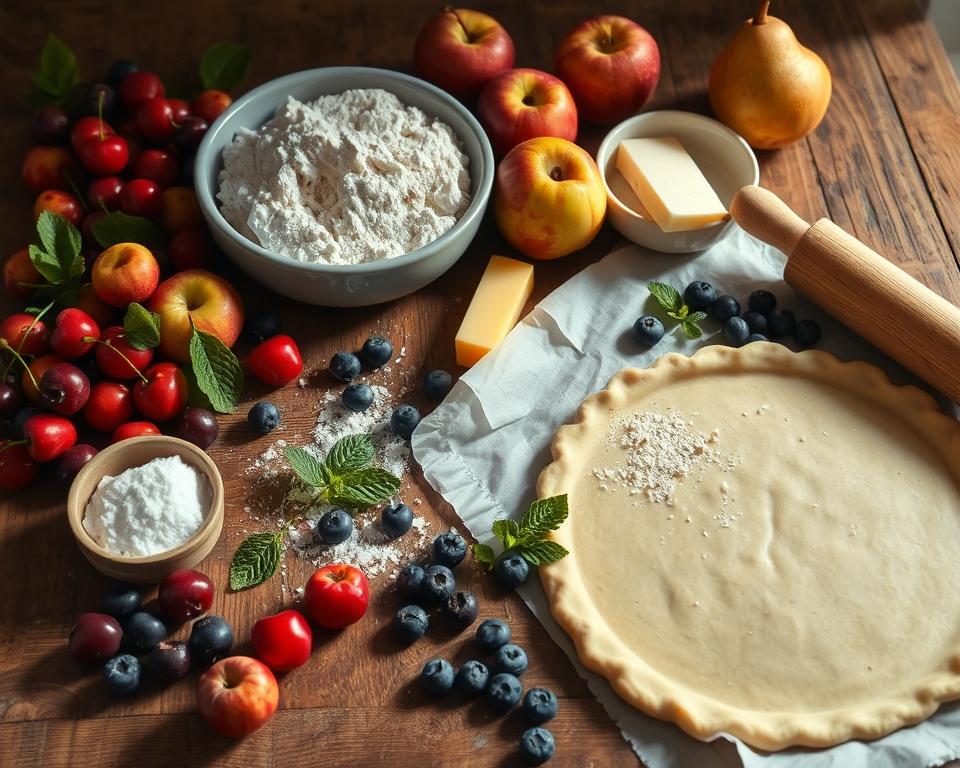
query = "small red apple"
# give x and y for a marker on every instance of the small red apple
(523, 104)
(611, 65)
(460, 50)
(237, 695)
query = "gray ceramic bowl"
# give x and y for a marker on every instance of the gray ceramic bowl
(339, 285)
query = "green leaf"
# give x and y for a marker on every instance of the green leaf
(141, 327)
(542, 516)
(224, 66)
(690, 326)
(350, 453)
(58, 258)
(507, 531)
(696, 317)
(255, 560)
(483, 554)
(543, 552)
(217, 369)
(307, 467)
(119, 227)
(365, 487)
(58, 70)
(667, 296)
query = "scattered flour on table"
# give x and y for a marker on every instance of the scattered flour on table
(349, 178)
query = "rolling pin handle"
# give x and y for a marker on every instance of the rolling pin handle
(768, 218)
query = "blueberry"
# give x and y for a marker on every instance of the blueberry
(357, 397)
(756, 322)
(437, 384)
(396, 520)
(263, 417)
(736, 331)
(345, 366)
(762, 301)
(120, 600)
(404, 420)
(449, 549)
(540, 705)
(472, 678)
(261, 325)
(169, 661)
(504, 691)
(122, 674)
(376, 351)
(462, 609)
(807, 333)
(537, 746)
(142, 631)
(334, 526)
(756, 337)
(210, 639)
(780, 323)
(724, 307)
(510, 658)
(699, 295)
(437, 676)
(439, 584)
(410, 581)
(411, 623)
(492, 633)
(648, 330)
(120, 69)
(511, 569)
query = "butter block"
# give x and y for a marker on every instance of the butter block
(495, 308)
(668, 182)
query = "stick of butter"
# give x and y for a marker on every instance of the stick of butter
(669, 184)
(495, 308)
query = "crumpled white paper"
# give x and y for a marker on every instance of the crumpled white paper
(484, 447)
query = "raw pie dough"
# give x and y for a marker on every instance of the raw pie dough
(801, 583)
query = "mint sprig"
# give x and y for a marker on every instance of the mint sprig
(141, 327)
(224, 66)
(670, 299)
(256, 560)
(119, 227)
(58, 256)
(56, 76)
(529, 537)
(216, 370)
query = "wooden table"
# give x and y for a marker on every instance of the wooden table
(883, 165)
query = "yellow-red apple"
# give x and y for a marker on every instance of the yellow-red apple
(460, 50)
(523, 104)
(548, 197)
(123, 273)
(237, 695)
(611, 65)
(208, 300)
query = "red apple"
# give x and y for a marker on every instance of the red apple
(237, 695)
(611, 65)
(460, 50)
(523, 104)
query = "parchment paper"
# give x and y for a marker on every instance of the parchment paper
(485, 445)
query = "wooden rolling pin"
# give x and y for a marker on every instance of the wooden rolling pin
(864, 291)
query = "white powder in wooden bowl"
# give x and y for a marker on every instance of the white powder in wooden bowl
(149, 509)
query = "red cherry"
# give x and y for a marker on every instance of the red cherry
(209, 105)
(109, 406)
(133, 429)
(104, 156)
(142, 197)
(67, 339)
(48, 436)
(181, 110)
(88, 128)
(64, 389)
(155, 119)
(73, 461)
(190, 249)
(164, 395)
(62, 203)
(157, 165)
(13, 330)
(184, 595)
(37, 367)
(110, 359)
(105, 193)
(17, 469)
(138, 87)
(276, 361)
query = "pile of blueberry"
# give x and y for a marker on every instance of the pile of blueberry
(125, 640)
(499, 683)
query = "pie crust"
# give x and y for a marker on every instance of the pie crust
(801, 584)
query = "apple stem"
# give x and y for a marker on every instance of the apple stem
(761, 17)
(555, 173)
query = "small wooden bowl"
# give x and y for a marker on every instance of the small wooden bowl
(136, 452)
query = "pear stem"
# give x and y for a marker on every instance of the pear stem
(761, 17)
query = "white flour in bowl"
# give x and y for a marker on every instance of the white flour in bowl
(346, 179)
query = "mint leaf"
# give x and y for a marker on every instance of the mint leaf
(58, 258)
(364, 488)
(57, 74)
(350, 453)
(224, 66)
(483, 554)
(217, 370)
(307, 467)
(119, 227)
(543, 552)
(141, 327)
(689, 325)
(542, 516)
(507, 531)
(667, 296)
(255, 560)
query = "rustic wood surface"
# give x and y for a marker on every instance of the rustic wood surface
(883, 165)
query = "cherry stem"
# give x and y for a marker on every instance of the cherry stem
(100, 97)
(108, 345)
(4, 344)
(12, 443)
(761, 16)
(81, 198)
(23, 340)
